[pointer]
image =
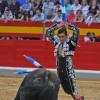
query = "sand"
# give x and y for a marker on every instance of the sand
(9, 87)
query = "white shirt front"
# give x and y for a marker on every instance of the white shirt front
(85, 10)
(86, 39)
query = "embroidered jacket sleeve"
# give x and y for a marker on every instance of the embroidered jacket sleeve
(51, 35)
(75, 35)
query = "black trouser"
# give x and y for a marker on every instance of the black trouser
(63, 73)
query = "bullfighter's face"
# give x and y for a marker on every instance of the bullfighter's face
(62, 37)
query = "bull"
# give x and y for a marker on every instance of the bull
(40, 84)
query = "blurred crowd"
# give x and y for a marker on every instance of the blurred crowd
(87, 11)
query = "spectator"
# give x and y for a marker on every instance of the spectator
(50, 16)
(7, 15)
(31, 14)
(19, 17)
(38, 16)
(48, 5)
(84, 7)
(5, 37)
(8, 38)
(76, 6)
(2, 37)
(14, 7)
(97, 17)
(87, 38)
(38, 5)
(58, 16)
(8, 1)
(67, 7)
(19, 38)
(57, 6)
(93, 7)
(79, 16)
(71, 17)
(27, 6)
(3, 4)
(21, 9)
(90, 18)
(94, 38)
(90, 37)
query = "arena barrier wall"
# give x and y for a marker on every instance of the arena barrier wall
(87, 56)
(24, 27)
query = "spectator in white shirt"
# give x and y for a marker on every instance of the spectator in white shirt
(90, 18)
(87, 38)
(76, 6)
(48, 5)
(91, 38)
(7, 15)
(84, 7)
(58, 17)
(38, 16)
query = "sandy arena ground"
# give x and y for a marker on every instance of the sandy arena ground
(9, 87)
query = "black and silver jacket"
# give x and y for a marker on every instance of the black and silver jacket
(67, 48)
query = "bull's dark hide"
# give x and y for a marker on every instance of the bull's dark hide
(39, 85)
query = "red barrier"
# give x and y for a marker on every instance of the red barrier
(7, 53)
(87, 56)
(41, 51)
(40, 24)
